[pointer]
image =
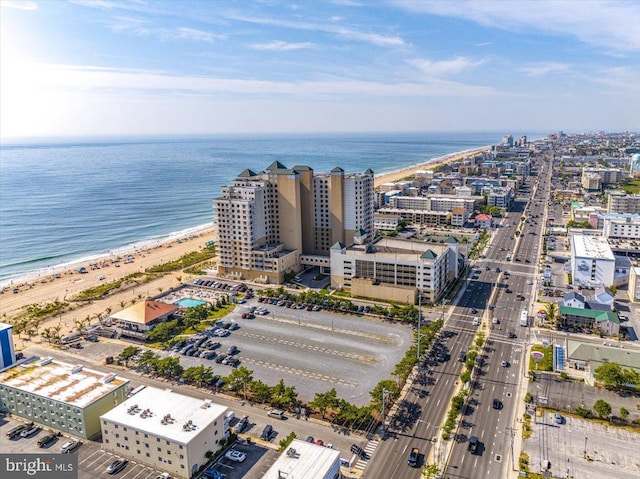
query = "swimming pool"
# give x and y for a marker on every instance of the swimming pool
(189, 302)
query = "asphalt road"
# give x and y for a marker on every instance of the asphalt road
(421, 412)
(493, 426)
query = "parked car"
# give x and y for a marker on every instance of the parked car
(30, 431)
(236, 456)
(242, 424)
(358, 451)
(117, 466)
(44, 441)
(559, 418)
(267, 432)
(70, 446)
(16, 431)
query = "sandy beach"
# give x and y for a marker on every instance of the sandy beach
(67, 283)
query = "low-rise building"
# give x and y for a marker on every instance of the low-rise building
(621, 202)
(65, 397)
(383, 221)
(304, 460)
(606, 322)
(592, 261)
(137, 320)
(588, 356)
(483, 221)
(165, 430)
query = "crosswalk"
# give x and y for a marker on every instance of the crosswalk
(369, 449)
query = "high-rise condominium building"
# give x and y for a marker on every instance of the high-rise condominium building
(268, 221)
(621, 202)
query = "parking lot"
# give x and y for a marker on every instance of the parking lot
(610, 451)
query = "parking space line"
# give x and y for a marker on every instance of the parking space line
(143, 469)
(89, 456)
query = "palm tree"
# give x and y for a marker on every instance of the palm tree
(122, 304)
(552, 313)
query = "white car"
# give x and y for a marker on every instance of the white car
(236, 456)
(476, 321)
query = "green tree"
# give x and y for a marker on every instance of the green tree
(127, 353)
(198, 375)
(197, 314)
(610, 374)
(552, 312)
(431, 470)
(390, 386)
(282, 395)
(164, 331)
(260, 391)
(148, 360)
(169, 367)
(240, 378)
(624, 413)
(602, 408)
(324, 401)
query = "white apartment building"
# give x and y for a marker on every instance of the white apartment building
(394, 269)
(303, 460)
(66, 397)
(621, 227)
(592, 261)
(420, 217)
(165, 430)
(608, 176)
(621, 202)
(591, 181)
(267, 221)
(386, 222)
(437, 202)
(500, 197)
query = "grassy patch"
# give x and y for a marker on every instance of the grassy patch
(632, 186)
(546, 363)
(105, 288)
(184, 261)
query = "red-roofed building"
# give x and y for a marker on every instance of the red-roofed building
(483, 221)
(143, 316)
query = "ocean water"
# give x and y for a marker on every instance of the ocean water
(65, 200)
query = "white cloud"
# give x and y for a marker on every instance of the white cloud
(445, 67)
(19, 4)
(344, 32)
(609, 24)
(543, 68)
(621, 79)
(278, 45)
(27, 79)
(194, 34)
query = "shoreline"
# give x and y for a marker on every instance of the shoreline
(64, 280)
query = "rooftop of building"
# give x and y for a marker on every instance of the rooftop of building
(69, 383)
(595, 247)
(599, 354)
(399, 249)
(4, 326)
(595, 314)
(145, 312)
(308, 461)
(167, 414)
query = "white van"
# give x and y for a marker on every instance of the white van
(277, 413)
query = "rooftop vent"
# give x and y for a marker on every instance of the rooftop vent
(108, 378)
(291, 452)
(76, 369)
(206, 404)
(45, 361)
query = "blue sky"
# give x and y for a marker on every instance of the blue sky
(111, 67)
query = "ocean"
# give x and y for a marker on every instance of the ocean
(62, 201)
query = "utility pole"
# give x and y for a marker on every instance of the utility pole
(384, 415)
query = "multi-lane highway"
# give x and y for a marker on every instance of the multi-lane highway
(492, 293)
(498, 380)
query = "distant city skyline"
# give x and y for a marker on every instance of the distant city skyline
(112, 67)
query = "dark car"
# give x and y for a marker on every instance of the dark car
(44, 441)
(512, 335)
(310, 440)
(414, 455)
(474, 444)
(117, 466)
(497, 404)
(358, 451)
(242, 424)
(267, 432)
(16, 431)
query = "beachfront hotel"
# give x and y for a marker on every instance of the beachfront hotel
(165, 430)
(65, 397)
(283, 219)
